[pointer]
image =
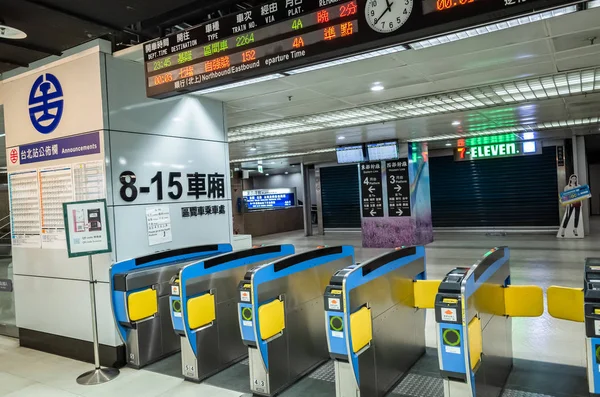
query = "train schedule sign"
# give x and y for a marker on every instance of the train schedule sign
(283, 35)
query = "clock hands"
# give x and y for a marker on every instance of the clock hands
(388, 8)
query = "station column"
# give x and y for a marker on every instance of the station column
(82, 128)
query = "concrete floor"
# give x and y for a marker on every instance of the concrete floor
(535, 259)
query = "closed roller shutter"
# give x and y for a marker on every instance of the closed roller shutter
(340, 197)
(515, 191)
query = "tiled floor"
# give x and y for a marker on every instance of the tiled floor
(30, 373)
(541, 260)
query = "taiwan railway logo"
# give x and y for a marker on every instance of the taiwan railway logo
(14, 156)
(46, 103)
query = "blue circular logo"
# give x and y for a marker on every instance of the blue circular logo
(46, 103)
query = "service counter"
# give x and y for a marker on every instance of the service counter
(261, 223)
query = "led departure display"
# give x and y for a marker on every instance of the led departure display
(283, 35)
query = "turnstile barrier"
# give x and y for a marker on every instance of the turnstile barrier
(583, 305)
(140, 301)
(204, 299)
(280, 313)
(374, 333)
(473, 310)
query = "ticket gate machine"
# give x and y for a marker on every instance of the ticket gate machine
(281, 316)
(204, 311)
(473, 310)
(140, 301)
(374, 333)
(583, 305)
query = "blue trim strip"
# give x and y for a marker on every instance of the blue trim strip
(128, 265)
(195, 270)
(473, 286)
(595, 366)
(267, 273)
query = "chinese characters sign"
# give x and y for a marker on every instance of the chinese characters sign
(398, 187)
(190, 186)
(74, 146)
(371, 190)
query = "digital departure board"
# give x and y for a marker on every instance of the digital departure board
(269, 198)
(350, 154)
(382, 151)
(282, 35)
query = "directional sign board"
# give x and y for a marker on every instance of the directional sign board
(398, 187)
(371, 190)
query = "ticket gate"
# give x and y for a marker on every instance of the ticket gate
(204, 312)
(281, 316)
(374, 333)
(583, 305)
(473, 310)
(140, 301)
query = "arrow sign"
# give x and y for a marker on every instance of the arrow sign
(399, 212)
(373, 212)
(398, 188)
(371, 189)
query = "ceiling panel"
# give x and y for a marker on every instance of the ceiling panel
(516, 35)
(357, 68)
(348, 86)
(495, 58)
(117, 12)
(279, 99)
(310, 107)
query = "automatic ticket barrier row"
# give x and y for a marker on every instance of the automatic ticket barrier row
(204, 309)
(140, 301)
(290, 315)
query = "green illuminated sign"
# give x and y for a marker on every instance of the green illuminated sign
(494, 150)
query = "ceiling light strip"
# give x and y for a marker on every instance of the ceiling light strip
(508, 93)
(239, 84)
(353, 58)
(516, 129)
(283, 155)
(494, 27)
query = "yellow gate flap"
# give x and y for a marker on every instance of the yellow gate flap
(524, 301)
(361, 328)
(425, 292)
(271, 317)
(566, 303)
(142, 304)
(201, 310)
(475, 341)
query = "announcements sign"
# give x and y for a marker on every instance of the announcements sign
(371, 190)
(86, 226)
(398, 187)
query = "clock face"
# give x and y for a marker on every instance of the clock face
(386, 16)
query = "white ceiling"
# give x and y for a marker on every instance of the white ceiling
(536, 49)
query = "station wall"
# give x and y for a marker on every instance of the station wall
(177, 149)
